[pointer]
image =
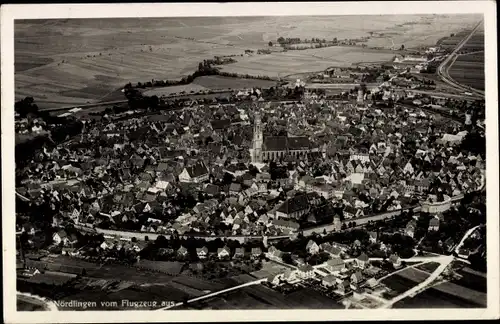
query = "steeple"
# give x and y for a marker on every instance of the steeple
(257, 139)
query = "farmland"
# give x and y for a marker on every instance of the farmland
(428, 267)
(78, 61)
(405, 280)
(212, 82)
(468, 70)
(261, 297)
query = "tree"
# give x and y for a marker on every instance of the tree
(287, 258)
(402, 47)
(270, 44)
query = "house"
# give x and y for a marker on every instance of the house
(395, 260)
(312, 247)
(356, 279)
(306, 272)
(224, 253)
(293, 207)
(285, 225)
(274, 254)
(335, 265)
(239, 253)
(410, 228)
(343, 287)
(372, 282)
(373, 237)
(234, 188)
(196, 173)
(256, 252)
(362, 261)
(434, 224)
(59, 237)
(329, 281)
(202, 252)
(182, 251)
(276, 279)
(28, 228)
(290, 275)
(334, 251)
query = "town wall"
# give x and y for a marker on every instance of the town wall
(437, 207)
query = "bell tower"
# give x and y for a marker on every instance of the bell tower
(257, 139)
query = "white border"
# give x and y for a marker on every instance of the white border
(11, 12)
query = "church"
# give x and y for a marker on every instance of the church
(275, 148)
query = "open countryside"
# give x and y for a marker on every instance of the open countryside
(79, 61)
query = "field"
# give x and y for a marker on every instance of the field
(433, 298)
(261, 297)
(405, 280)
(292, 62)
(468, 68)
(77, 61)
(212, 82)
(428, 267)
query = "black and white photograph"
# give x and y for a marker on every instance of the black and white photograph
(161, 163)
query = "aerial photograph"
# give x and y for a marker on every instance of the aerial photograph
(234, 163)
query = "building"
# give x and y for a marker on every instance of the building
(202, 252)
(329, 281)
(256, 150)
(335, 265)
(395, 260)
(280, 147)
(224, 253)
(196, 173)
(432, 206)
(306, 272)
(312, 247)
(296, 206)
(360, 98)
(410, 228)
(362, 261)
(434, 224)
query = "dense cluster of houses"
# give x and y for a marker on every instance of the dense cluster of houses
(339, 273)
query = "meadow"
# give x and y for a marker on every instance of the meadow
(66, 62)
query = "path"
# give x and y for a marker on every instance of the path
(466, 235)
(251, 283)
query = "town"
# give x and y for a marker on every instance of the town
(366, 196)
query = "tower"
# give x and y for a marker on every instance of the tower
(257, 140)
(360, 96)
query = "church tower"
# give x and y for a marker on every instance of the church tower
(257, 140)
(360, 99)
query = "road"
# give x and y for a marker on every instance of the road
(251, 283)
(448, 62)
(466, 235)
(97, 104)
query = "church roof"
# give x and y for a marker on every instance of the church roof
(283, 143)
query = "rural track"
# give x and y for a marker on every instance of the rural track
(251, 283)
